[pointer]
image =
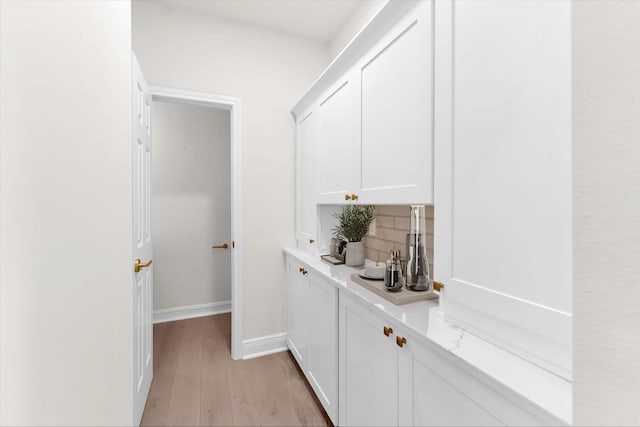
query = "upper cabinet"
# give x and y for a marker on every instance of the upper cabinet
(395, 111)
(375, 116)
(306, 181)
(336, 135)
(503, 174)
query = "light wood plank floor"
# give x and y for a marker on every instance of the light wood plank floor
(196, 383)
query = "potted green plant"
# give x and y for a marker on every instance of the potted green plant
(353, 225)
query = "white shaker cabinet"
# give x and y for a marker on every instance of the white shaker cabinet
(393, 376)
(368, 367)
(312, 309)
(322, 360)
(374, 112)
(306, 181)
(396, 141)
(336, 142)
(297, 310)
(503, 174)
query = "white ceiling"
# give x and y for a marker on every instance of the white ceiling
(314, 19)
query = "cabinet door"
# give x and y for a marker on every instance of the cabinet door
(336, 143)
(396, 142)
(297, 303)
(503, 174)
(306, 177)
(428, 399)
(322, 362)
(368, 368)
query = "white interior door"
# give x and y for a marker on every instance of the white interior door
(142, 243)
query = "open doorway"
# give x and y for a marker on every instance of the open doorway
(196, 207)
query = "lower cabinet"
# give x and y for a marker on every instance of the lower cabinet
(312, 308)
(427, 399)
(368, 368)
(322, 361)
(297, 315)
(389, 376)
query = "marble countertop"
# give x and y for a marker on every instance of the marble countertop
(541, 387)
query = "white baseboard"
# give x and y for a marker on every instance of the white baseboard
(261, 346)
(190, 311)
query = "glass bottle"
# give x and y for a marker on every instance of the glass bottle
(393, 272)
(417, 274)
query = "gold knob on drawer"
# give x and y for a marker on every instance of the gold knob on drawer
(354, 197)
(301, 269)
(401, 341)
(387, 331)
(437, 286)
(347, 197)
(311, 241)
(304, 272)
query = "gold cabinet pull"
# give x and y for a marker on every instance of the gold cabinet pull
(347, 197)
(138, 265)
(223, 246)
(437, 286)
(304, 272)
(301, 269)
(387, 331)
(401, 341)
(311, 241)
(354, 197)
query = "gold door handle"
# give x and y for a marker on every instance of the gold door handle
(387, 331)
(437, 286)
(401, 341)
(223, 246)
(354, 197)
(138, 265)
(347, 197)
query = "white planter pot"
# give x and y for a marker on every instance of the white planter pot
(355, 254)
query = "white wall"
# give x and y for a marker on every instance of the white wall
(606, 105)
(66, 342)
(358, 19)
(269, 71)
(191, 205)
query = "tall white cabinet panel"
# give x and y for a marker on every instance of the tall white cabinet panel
(369, 369)
(306, 189)
(322, 362)
(396, 144)
(297, 314)
(336, 137)
(503, 174)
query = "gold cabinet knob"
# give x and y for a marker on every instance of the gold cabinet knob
(401, 341)
(387, 331)
(223, 246)
(347, 197)
(301, 269)
(138, 265)
(354, 197)
(437, 286)
(304, 272)
(311, 241)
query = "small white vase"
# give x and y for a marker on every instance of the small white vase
(355, 254)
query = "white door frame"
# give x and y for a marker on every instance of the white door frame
(233, 105)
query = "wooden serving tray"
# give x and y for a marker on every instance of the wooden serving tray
(403, 296)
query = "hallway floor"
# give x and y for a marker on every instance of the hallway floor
(196, 383)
